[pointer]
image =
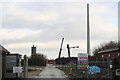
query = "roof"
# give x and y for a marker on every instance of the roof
(108, 50)
(3, 50)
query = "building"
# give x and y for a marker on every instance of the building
(3, 52)
(113, 54)
(33, 50)
(7, 62)
(12, 61)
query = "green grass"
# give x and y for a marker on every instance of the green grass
(65, 69)
(76, 73)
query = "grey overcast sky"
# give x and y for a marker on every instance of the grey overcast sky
(44, 23)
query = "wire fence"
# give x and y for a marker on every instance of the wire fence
(106, 70)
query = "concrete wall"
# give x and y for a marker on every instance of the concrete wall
(0, 66)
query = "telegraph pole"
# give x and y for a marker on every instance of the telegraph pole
(88, 31)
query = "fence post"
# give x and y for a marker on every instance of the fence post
(109, 69)
(110, 66)
(25, 66)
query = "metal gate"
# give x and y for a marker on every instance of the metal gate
(107, 70)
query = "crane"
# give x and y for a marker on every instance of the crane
(61, 48)
(68, 47)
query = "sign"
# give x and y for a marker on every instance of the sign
(82, 60)
(117, 72)
(94, 69)
(111, 66)
(17, 69)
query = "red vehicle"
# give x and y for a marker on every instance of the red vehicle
(50, 61)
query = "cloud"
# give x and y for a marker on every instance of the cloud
(59, 1)
(26, 45)
(102, 25)
(66, 25)
(24, 18)
(25, 48)
(50, 49)
(16, 34)
(44, 24)
(0, 15)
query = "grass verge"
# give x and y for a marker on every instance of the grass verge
(76, 73)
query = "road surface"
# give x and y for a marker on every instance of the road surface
(51, 72)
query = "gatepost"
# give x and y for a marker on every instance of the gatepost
(25, 66)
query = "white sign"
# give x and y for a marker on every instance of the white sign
(110, 66)
(82, 55)
(17, 69)
(117, 72)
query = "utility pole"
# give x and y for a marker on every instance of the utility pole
(88, 31)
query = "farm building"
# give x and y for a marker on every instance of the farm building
(113, 54)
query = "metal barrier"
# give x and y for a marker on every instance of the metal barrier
(106, 70)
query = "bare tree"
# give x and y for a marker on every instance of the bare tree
(105, 46)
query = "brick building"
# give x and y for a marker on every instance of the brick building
(113, 54)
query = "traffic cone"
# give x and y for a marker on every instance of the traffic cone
(70, 72)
